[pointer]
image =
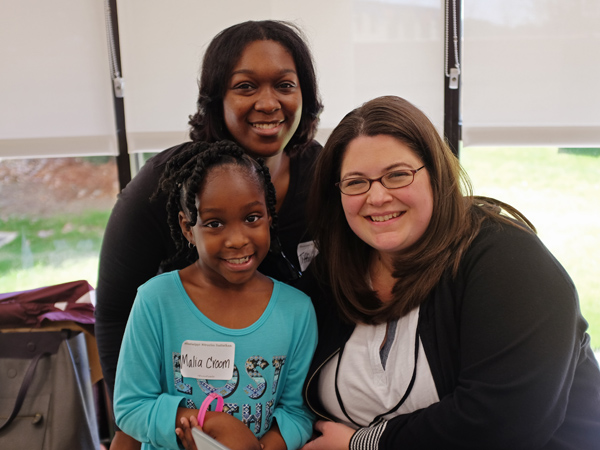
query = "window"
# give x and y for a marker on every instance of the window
(53, 212)
(558, 189)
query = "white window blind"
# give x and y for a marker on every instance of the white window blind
(531, 73)
(56, 88)
(56, 97)
(362, 49)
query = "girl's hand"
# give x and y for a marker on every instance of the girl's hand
(334, 436)
(229, 431)
(184, 433)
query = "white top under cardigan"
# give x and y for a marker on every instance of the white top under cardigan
(366, 388)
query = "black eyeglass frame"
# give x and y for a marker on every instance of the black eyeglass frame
(380, 179)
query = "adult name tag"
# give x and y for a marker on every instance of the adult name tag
(306, 252)
(207, 360)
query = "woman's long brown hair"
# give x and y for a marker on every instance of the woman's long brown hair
(456, 218)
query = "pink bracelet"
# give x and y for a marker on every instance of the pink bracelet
(206, 403)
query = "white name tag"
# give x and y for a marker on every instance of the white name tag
(207, 360)
(306, 252)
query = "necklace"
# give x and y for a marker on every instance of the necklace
(398, 405)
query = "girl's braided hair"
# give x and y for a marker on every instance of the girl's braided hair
(183, 180)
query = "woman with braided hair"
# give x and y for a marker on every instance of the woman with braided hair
(209, 328)
(258, 88)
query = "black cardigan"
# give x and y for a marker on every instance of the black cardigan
(507, 348)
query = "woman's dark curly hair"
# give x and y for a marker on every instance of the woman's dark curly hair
(223, 53)
(183, 179)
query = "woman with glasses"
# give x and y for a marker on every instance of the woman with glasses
(444, 322)
(258, 88)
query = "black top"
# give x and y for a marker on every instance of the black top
(508, 352)
(137, 241)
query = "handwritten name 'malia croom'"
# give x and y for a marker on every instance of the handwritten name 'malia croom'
(211, 363)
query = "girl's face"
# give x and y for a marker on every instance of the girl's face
(263, 101)
(232, 233)
(389, 220)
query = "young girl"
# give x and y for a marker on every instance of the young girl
(218, 325)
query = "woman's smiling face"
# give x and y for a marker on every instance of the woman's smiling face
(263, 102)
(389, 220)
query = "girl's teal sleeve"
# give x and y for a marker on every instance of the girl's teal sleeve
(293, 417)
(142, 409)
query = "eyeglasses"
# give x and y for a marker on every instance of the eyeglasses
(391, 180)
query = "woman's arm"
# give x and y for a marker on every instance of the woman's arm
(122, 441)
(293, 418)
(135, 242)
(332, 436)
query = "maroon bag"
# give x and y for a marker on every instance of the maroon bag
(67, 301)
(46, 397)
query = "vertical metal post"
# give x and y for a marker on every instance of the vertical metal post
(123, 162)
(452, 118)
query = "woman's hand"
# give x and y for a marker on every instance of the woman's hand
(334, 436)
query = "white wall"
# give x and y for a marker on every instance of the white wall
(362, 49)
(55, 91)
